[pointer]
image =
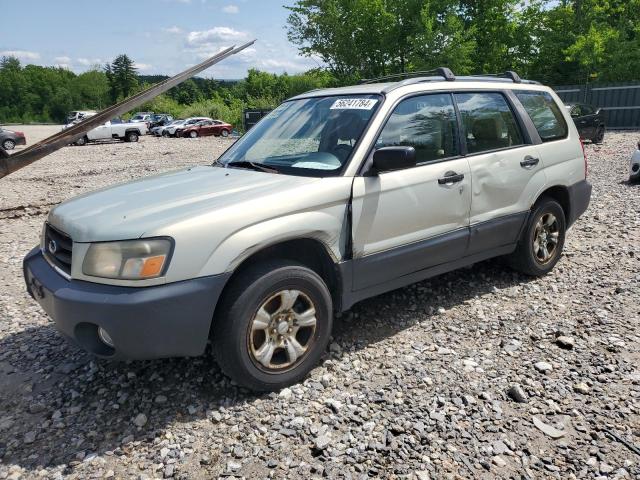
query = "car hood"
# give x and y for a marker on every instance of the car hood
(130, 210)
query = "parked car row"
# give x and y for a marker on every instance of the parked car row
(194, 127)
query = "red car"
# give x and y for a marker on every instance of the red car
(206, 128)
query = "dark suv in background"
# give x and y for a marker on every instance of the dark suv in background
(589, 121)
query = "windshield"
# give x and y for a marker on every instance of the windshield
(311, 136)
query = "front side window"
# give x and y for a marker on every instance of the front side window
(488, 121)
(545, 115)
(310, 136)
(427, 123)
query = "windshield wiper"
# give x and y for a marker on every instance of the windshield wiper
(252, 165)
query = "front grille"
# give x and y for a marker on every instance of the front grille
(57, 248)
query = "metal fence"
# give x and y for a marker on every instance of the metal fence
(619, 102)
(253, 116)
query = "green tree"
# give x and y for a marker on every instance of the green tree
(122, 76)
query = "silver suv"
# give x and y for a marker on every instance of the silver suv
(337, 195)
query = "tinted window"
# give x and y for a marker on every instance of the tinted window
(545, 115)
(586, 110)
(488, 121)
(427, 123)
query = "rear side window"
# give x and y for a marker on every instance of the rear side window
(488, 121)
(545, 115)
(426, 123)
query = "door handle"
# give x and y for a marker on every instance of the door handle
(529, 162)
(450, 178)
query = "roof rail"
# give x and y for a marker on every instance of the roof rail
(444, 72)
(510, 74)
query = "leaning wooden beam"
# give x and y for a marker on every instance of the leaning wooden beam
(11, 163)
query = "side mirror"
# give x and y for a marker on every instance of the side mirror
(386, 159)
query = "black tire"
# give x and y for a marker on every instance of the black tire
(233, 340)
(527, 257)
(193, 134)
(599, 137)
(8, 144)
(224, 133)
(131, 137)
(165, 133)
(82, 141)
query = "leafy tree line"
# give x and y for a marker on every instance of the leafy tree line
(554, 41)
(46, 94)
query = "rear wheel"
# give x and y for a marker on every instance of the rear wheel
(81, 141)
(131, 137)
(273, 325)
(193, 134)
(599, 137)
(8, 144)
(224, 133)
(541, 244)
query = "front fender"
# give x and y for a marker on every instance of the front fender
(325, 226)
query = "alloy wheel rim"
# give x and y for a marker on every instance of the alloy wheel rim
(282, 331)
(546, 236)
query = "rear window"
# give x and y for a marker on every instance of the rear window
(545, 115)
(488, 121)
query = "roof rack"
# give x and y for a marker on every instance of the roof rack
(444, 72)
(510, 74)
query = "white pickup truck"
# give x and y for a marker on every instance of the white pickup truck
(115, 129)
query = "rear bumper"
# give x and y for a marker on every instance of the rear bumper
(170, 320)
(20, 140)
(579, 198)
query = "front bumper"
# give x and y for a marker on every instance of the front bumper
(170, 320)
(579, 198)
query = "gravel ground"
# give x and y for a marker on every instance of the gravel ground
(480, 373)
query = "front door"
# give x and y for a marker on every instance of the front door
(103, 132)
(409, 220)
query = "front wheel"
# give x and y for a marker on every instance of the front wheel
(273, 325)
(81, 141)
(193, 134)
(541, 244)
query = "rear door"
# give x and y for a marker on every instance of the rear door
(409, 220)
(506, 170)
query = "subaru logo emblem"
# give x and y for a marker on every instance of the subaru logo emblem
(53, 246)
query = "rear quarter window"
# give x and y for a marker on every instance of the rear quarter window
(545, 115)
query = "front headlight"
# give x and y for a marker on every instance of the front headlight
(128, 260)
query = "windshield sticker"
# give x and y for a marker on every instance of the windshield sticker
(354, 104)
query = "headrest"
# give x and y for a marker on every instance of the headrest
(489, 128)
(349, 126)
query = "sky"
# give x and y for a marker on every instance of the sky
(161, 36)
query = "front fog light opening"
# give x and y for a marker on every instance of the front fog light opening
(104, 336)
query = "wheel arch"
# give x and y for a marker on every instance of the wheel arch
(308, 252)
(560, 194)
